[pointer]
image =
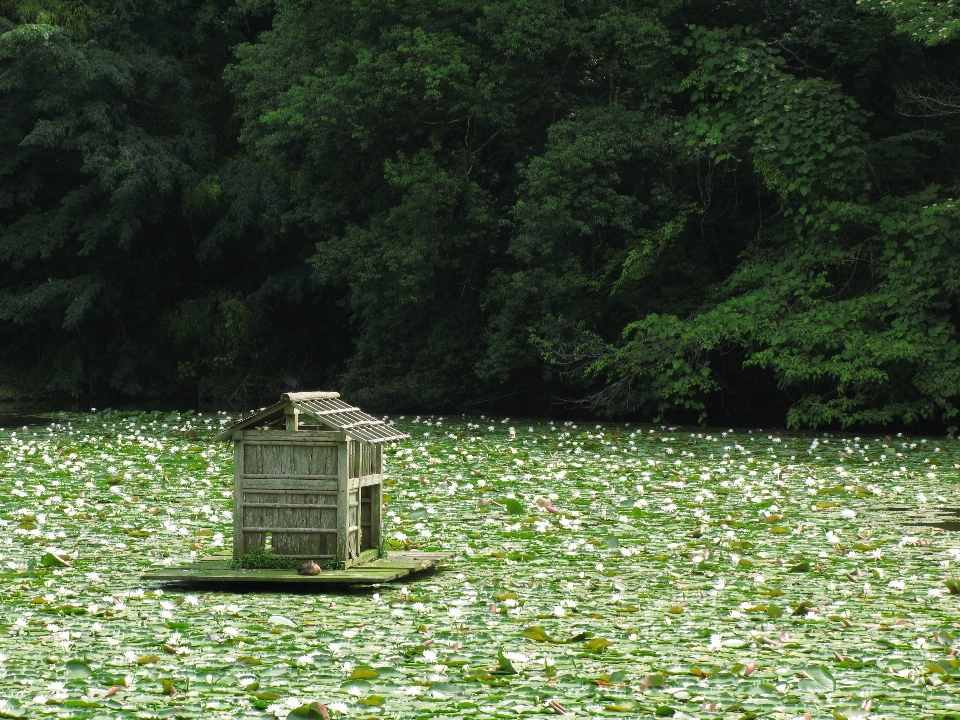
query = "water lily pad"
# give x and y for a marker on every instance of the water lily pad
(282, 621)
(51, 560)
(10, 709)
(77, 669)
(819, 680)
(504, 664)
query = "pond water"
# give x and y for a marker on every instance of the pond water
(944, 518)
(12, 420)
(601, 571)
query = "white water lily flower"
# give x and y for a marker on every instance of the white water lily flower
(339, 707)
(279, 711)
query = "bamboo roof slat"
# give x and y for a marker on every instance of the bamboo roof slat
(329, 410)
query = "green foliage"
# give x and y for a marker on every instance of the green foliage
(263, 559)
(655, 206)
(930, 21)
(77, 17)
(216, 337)
(110, 131)
(802, 134)
(852, 308)
(402, 132)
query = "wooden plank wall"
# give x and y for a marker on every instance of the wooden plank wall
(307, 494)
(286, 491)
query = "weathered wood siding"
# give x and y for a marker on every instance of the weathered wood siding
(286, 490)
(307, 494)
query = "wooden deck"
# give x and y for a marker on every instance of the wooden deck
(215, 569)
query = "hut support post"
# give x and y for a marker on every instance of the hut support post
(376, 500)
(376, 515)
(293, 418)
(343, 499)
(238, 539)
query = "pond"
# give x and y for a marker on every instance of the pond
(26, 417)
(601, 571)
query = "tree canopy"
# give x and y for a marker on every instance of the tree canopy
(706, 210)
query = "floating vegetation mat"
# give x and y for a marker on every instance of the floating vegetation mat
(601, 572)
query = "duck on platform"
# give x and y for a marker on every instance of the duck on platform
(308, 568)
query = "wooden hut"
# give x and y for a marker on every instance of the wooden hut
(308, 479)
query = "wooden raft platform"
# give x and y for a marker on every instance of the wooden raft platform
(216, 569)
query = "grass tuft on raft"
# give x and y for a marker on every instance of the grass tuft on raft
(263, 559)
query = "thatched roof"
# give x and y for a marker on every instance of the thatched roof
(328, 410)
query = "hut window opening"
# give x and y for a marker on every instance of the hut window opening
(366, 519)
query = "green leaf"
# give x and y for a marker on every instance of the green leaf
(514, 507)
(535, 633)
(51, 560)
(819, 680)
(310, 710)
(504, 664)
(10, 709)
(77, 703)
(77, 669)
(623, 706)
(281, 620)
(598, 645)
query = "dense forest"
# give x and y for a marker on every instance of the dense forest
(727, 211)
